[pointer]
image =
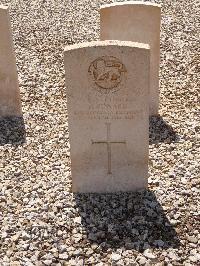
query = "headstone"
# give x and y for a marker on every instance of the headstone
(10, 104)
(137, 22)
(107, 88)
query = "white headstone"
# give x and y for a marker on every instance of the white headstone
(10, 104)
(137, 22)
(108, 111)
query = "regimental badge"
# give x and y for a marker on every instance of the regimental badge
(107, 73)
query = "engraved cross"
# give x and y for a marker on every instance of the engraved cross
(108, 142)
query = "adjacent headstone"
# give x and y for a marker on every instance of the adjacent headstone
(137, 22)
(10, 104)
(108, 110)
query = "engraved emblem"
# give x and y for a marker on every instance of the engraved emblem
(107, 73)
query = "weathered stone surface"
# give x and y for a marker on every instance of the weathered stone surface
(107, 86)
(9, 89)
(137, 22)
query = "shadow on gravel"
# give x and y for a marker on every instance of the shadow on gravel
(12, 131)
(130, 220)
(160, 131)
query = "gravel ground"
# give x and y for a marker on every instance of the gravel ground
(41, 221)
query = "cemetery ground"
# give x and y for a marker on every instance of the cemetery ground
(41, 221)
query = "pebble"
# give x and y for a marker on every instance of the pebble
(148, 254)
(192, 239)
(63, 256)
(62, 248)
(15, 263)
(141, 260)
(159, 243)
(115, 257)
(47, 262)
(194, 258)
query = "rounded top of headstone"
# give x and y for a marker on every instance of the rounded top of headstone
(107, 43)
(3, 7)
(131, 3)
